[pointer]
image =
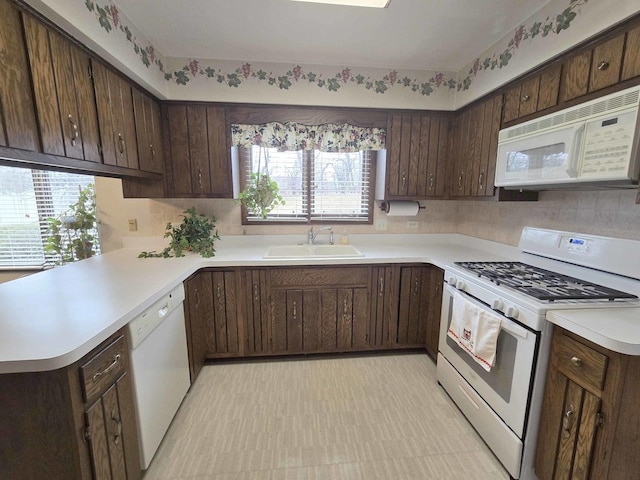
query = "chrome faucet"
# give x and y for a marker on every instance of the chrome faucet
(311, 235)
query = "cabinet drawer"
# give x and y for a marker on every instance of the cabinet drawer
(580, 363)
(319, 276)
(104, 368)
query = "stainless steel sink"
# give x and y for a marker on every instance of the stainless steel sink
(312, 251)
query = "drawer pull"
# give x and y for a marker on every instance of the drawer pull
(602, 66)
(567, 421)
(481, 179)
(120, 144)
(111, 366)
(404, 180)
(526, 98)
(576, 361)
(431, 182)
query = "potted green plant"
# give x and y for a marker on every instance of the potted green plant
(196, 234)
(261, 195)
(73, 235)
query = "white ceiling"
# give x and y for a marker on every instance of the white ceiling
(409, 34)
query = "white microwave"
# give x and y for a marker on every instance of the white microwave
(594, 143)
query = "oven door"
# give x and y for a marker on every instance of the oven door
(506, 387)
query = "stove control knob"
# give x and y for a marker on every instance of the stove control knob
(452, 280)
(497, 304)
(512, 312)
(460, 285)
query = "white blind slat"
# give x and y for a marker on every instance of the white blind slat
(27, 199)
(315, 185)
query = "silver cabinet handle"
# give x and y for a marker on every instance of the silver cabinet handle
(431, 181)
(567, 421)
(120, 144)
(381, 287)
(118, 421)
(112, 365)
(576, 361)
(526, 98)
(481, 179)
(602, 66)
(76, 132)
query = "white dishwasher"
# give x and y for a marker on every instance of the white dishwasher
(160, 367)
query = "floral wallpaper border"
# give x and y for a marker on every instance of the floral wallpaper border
(109, 18)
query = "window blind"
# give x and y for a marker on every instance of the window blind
(315, 185)
(27, 199)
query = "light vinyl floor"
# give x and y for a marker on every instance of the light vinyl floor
(380, 417)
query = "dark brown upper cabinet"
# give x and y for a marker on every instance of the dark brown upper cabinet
(533, 95)
(149, 132)
(64, 96)
(17, 113)
(417, 155)
(199, 156)
(114, 99)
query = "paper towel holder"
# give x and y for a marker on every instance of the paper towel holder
(384, 206)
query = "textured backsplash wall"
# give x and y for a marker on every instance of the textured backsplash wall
(611, 213)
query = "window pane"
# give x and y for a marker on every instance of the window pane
(20, 241)
(340, 186)
(27, 199)
(288, 169)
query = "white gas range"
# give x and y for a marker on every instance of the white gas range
(556, 270)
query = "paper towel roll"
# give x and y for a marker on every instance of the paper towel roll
(402, 208)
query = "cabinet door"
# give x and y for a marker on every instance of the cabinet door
(257, 327)
(199, 308)
(606, 63)
(148, 132)
(344, 322)
(434, 293)
(200, 155)
(549, 87)
(384, 306)
(414, 306)
(512, 103)
(575, 77)
(115, 117)
(225, 313)
(529, 97)
(104, 424)
(64, 94)
(17, 110)
(438, 154)
(631, 62)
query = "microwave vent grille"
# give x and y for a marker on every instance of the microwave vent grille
(612, 102)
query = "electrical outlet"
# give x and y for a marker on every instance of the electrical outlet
(412, 225)
(133, 225)
(380, 224)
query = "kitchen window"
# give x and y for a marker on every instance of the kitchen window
(27, 199)
(315, 186)
(325, 173)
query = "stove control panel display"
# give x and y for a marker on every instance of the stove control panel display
(576, 244)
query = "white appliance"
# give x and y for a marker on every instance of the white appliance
(594, 143)
(558, 269)
(160, 367)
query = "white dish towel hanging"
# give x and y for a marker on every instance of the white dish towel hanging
(476, 330)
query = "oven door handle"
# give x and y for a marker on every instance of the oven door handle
(507, 324)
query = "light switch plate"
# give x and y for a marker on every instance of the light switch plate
(380, 224)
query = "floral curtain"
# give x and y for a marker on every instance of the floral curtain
(294, 136)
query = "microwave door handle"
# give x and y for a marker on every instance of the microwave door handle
(572, 171)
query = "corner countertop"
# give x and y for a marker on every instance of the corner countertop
(51, 319)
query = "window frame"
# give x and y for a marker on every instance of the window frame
(308, 156)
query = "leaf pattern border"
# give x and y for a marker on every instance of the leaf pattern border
(109, 19)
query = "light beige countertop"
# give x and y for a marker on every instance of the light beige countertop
(51, 319)
(617, 329)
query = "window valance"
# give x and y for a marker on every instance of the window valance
(295, 136)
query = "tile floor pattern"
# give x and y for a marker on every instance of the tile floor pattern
(366, 418)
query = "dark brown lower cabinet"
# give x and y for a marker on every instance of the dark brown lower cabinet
(74, 423)
(262, 311)
(420, 299)
(590, 419)
(212, 317)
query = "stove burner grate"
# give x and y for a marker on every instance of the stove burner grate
(542, 284)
